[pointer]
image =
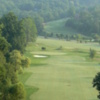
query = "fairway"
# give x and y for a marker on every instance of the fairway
(65, 74)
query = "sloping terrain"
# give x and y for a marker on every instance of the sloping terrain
(65, 74)
(58, 27)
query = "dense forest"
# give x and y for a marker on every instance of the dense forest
(46, 9)
(14, 37)
(86, 22)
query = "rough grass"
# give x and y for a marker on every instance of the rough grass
(58, 27)
(66, 74)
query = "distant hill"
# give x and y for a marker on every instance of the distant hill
(58, 27)
(47, 9)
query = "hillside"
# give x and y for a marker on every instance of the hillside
(47, 9)
(58, 27)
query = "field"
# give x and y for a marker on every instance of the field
(65, 74)
(58, 27)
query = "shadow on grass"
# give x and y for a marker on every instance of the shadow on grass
(29, 89)
(38, 64)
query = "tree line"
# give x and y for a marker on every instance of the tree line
(46, 9)
(86, 22)
(14, 37)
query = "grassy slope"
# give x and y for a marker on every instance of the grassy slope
(66, 74)
(58, 27)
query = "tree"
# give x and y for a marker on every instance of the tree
(15, 59)
(96, 37)
(92, 53)
(4, 83)
(61, 36)
(4, 45)
(17, 92)
(11, 60)
(1, 27)
(30, 29)
(2, 59)
(25, 62)
(79, 37)
(67, 37)
(11, 74)
(13, 31)
(18, 61)
(71, 11)
(39, 24)
(10, 87)
(96, 83)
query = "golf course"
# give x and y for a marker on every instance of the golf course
(63, 71)
(50, 50)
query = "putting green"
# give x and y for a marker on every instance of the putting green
(64, 76)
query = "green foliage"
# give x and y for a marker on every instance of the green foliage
(15, 59)
(11, 74)
(11, 60)
(96, 37)
(92, 53)
(78, 37)
(29, 29)
(86, 22)
(2, 59)
(10, 88)
(39, 24)
(47, 9)
(2, 73)
(13, 31)
(4, 83)
(17, 92)
(1, 27)
(71, 10)
(25, 62)
(4, 45)
(96, 83)
(18, 61)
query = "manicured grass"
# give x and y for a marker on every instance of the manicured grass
(26, 76)
(58, 27)
(35, 61)
(66, 74)
(29, 89)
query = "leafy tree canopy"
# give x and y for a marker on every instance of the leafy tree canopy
(87, 21)
(48, 9)
(29, 29)
(4, 45)
(13, 31)
(96, 83)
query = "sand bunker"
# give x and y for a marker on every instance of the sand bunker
(40, 56)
